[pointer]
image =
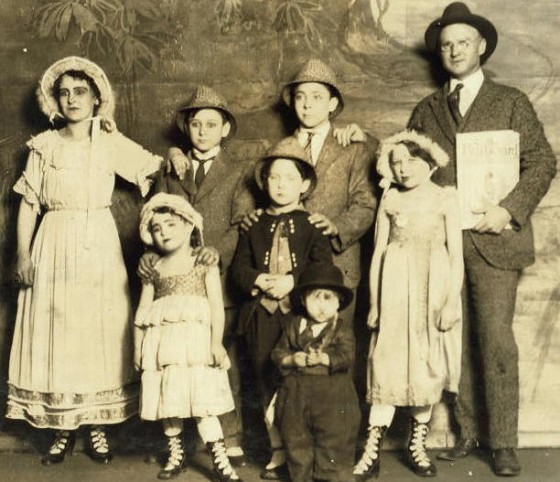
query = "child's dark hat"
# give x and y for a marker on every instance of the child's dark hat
(458, 12)
(315, 70)
(205, 97)
(321, 276)
(287, 148)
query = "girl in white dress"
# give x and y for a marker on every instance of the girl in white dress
(415, 292)
(178, 337)
(71, 362)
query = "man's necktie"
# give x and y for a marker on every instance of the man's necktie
(453, 100)
(307, 147)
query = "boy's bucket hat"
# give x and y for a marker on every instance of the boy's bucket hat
(315, 70)
(288, 148)
(205, 97)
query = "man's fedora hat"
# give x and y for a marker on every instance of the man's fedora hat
(458, 12)
(205, 97)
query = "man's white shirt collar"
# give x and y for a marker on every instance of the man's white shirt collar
(472, 85)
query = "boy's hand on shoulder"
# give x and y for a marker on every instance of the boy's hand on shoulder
(351, 133)
(206, 256)
(178, 162)
(146, 265)
(323, 223)
(249, 219)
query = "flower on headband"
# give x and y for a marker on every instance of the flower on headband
(176, 204)
(437, 154)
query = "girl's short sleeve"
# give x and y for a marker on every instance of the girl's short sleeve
(132, 162)
(30, 182)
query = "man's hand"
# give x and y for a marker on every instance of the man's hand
(323, 223)
(206, 256)
(351, 133)
(281, 285)
(494, 221)
(299, 359)
(249, 219)
(146, 265)
(178, 162)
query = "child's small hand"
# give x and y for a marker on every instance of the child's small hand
(178, 161)
(219, 355)
(146, 265)
(351, 133)
(373, 319)
(206, 256)
(323, 223)
(281, 285)
(249, 219)
(300, 359)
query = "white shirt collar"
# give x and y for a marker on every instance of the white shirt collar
(320, 134)
(209, 154)
(316, 328)
(472, 85)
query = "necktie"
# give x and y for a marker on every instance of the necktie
(306, 336)
(200, 172)
(307, 147)
(453, 100)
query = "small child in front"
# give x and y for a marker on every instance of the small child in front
(317, 406)
(415, 289)
(178, 336)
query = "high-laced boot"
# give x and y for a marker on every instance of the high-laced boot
(369, 463)
(63, 444)
(98, 446)
(176, 458)
(419, 460)
(222, 465)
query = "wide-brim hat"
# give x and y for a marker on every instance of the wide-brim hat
(315, 70)
(458, 12)
(48, 102)
(205, 97)
(439, 156)
(287, 148)
(317, 276)
(176, 204)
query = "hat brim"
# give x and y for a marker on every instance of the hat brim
(287, 94)
(345, 293)
(309, 170)
(484, 27)
(183, 114)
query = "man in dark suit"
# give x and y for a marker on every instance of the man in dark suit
(494, 254)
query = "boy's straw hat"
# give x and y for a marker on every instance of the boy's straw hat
(177, 204)
(287, 148)
(205, 97)
(315, 70)
(458, 12)
(48, 102)
(317, 276)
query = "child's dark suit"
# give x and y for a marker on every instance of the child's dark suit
(261, 318)
(317, 408)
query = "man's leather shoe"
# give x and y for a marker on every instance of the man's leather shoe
(463, 447)
(277, 473)
(505, 462)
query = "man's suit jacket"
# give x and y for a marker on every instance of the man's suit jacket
(224, 197)
(496, 107)
(344, 194)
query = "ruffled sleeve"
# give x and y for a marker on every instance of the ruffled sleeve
(132, 162)
(30, 183)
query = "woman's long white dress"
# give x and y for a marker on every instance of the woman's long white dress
(71, 361)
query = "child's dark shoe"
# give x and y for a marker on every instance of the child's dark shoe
(368, 465)
(176, 459)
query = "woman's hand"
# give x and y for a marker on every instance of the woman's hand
(146, 265)
(25, 271)
(450, 314)
(206, 256)
(219, 355)
(249, 219)
(373, 319)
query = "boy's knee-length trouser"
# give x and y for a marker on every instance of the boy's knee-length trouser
(318, 416)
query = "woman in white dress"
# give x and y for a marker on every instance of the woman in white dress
(71, 362)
